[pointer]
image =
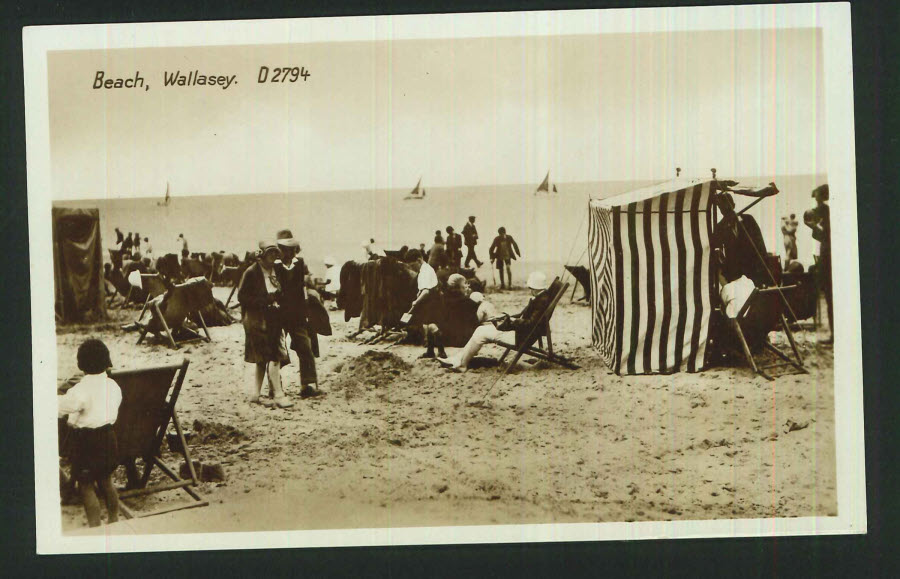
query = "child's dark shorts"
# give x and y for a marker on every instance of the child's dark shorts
(94, 452)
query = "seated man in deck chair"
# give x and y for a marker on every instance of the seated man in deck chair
(738, 245)
(508, 329)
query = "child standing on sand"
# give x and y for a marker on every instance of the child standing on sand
(92, 407)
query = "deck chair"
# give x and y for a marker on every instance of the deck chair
(153, 285)
(762, 313)
(148, 404)
(149, 397)
(583, 277)
(536, 335)
(170, 311)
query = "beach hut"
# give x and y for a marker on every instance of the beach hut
(78, 265)
(651, 281)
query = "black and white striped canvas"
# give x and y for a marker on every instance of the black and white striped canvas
(650, 282)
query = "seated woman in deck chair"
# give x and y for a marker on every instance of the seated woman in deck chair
(507, 328)
(454, 318)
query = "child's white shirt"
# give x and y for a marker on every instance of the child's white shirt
(92, 403)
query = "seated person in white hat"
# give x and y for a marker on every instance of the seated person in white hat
(508, 329)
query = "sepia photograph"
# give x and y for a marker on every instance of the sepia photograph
(512, 277)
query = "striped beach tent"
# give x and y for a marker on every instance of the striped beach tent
(651, 279)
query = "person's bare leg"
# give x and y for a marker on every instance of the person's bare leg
(90, 502)
(259, 374)
(112, 499)
(275, 384)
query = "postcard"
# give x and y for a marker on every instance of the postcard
(458, 278)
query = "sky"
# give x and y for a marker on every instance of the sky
(456, 112)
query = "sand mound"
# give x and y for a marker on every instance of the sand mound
(215, 433)
(373, 369)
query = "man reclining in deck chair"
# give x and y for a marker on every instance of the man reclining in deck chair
(508, 329)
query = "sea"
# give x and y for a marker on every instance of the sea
(550, 228)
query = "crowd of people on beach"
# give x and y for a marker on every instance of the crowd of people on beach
(280, 301)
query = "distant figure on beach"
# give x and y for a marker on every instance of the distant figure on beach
(454, 247)
(422, 251)
(148, 249)
(503, 251)
(789, 230)
(184, 244)
(127, 243)
(505, 328)
(264, 344)
(119, 238)
(819, 221)
(137, 242)
(470, 233)
(437, 255)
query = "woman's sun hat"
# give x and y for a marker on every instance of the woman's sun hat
(537, 281)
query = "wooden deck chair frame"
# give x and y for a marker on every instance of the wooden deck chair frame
(165, 327)
(154, 286)
(534, 335)
(141, 427)
(785, 359)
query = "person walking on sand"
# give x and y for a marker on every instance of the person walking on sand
(184, 244)
(503, 251)
(148, 248)
(264, 344)
(292, 274)
(470, 233)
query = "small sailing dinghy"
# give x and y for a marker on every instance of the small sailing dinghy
(417, 193)
(545, 186)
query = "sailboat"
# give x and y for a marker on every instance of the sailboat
(168, 198)
(544, 187)
(417, 192)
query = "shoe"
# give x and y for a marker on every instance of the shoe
(427, 356)
(308, 391)
(442, 354)
(283, 402)
(445, 362)
(455, 369)
(262, 401)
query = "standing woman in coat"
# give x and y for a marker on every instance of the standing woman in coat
(264, 343)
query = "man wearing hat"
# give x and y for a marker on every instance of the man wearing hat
(470, 233)
(258, 294)
(293, 274)
(508, 329)
(503, 250)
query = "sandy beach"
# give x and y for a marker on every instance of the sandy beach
(395, 441)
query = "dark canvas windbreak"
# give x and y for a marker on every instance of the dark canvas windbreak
(651, 279)
(78, 265)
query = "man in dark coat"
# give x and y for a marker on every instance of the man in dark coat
(503, 251)
(292, 273)
(470, 233)
(454, 247)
